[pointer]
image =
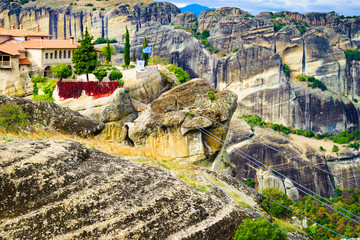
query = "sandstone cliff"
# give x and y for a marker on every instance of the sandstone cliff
(61, 189)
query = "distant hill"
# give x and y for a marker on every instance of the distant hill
(195, 8)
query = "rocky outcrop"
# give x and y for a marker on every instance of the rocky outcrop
(252, 154)
(178, 118)
(52, 115)
(66, 22)
(61, 189)
(185, 20)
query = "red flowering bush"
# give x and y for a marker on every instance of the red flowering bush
(95, 89)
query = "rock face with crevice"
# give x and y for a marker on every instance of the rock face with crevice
(177, 123)
(61, 189)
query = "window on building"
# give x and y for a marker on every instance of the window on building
(51, 55)
(46, 55)
(69, 54)
(60, 54)
(55, 55)
(64, 54)
(5, 61)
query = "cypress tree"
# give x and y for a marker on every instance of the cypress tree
(85, 56)
(134, 57)
(145, 56)
(127, 48)
(108, 51)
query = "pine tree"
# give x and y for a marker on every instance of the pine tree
(108, 51)
(134, 56)
(127, 48)
(85, 56)
(145, 56)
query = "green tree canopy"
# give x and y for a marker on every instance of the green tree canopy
(115, 75)
(134, 56)
(145, 56)
(273, 208)
(85, 56)
(108, 51)
(100, 73)
(127, 48)
(61, 71)
(258, 230)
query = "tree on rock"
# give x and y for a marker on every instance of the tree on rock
(145, 56)
(259, 230)
(100, 73)
(61, 71)
(85, 56)
(127, 48)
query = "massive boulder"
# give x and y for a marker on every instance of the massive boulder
(52, 115)
(178, 124)
(61, 189)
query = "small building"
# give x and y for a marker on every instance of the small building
(25, 53)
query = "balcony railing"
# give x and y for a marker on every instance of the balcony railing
(5, 64)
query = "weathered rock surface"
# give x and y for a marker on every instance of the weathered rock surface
(173, 121)
(61, 189)
(55, 116)
(185, 20)
(251, 155)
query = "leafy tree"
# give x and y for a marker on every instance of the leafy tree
(127, 48)
(180, 73)
(205, 34)
(273, 208)
(145, 56)
(352, 55)
(100, 73)
(278, 26)
(85, 56)
(115, 75)
(249, 182)
(134, 56)
(61, 71)
(108, 51)
(259, 230)
(286, 70)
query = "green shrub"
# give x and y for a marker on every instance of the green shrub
(189, 114)
(12, 117)
(278, 26)
(180, 73)
(102, 40)
(344, 137)
(302, 77)
(205, 34)
(211, 96)
(356, 134)
(47, 87)
(354, 145)
(94, 9)
(273, 208)
(35, 90)
(352, 55)
(286, 70)
(100, 73)
(121, 82)
(249, 182)
(132, 66)
(124, 66)
(322, 149)
(44, 98)
(302, 30)
(335, 148)
(89, 5)
(38, 79)
(299, 132)
(115, 75)
(308, 134)
(259, 230)
(355, 100)
(318, 84)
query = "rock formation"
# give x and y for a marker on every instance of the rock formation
(172, 124)
(61, 189)
(52, 115)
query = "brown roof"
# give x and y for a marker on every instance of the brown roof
(24, 61)
(21, 32)
(11, 47)
(50, 44)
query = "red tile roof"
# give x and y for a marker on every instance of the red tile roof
(50, 44)
(21, 32)
(24, 61)
(11, 47)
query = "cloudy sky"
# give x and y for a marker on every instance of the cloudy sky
(345, 7)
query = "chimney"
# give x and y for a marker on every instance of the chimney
(72, 40)
(38, 28)
(12, 27)
(20, 26)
